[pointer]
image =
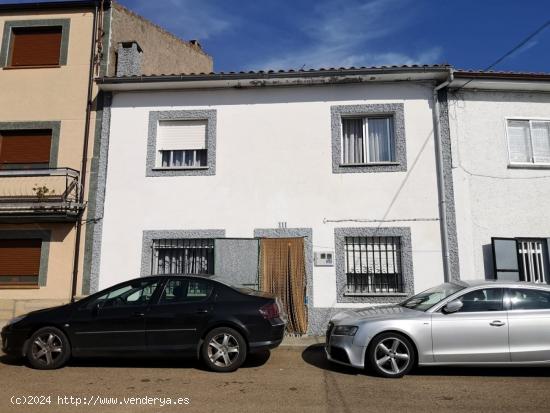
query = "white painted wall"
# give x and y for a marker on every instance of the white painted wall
(493, 200)
(273, 164)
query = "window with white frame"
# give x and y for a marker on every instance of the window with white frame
(373, 264)
(529, 141)
(181, 144)
(183, 256)
(367, 140)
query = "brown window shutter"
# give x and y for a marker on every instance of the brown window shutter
(19, 261)
(36, 46)
(25, 147)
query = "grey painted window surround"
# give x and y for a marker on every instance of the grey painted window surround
(45, 236)
(406, 263)
(9, 25)
(202, 114)
(55, 127)
(397, 112)
(150, 235)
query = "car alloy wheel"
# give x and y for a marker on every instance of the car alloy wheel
(391, 355)
(48, 349)
(224, 349)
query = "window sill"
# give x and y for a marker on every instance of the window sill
(346, 165)
(376, 294)
(189, 168)
(18, 287)
(32, 67)
(529, 166)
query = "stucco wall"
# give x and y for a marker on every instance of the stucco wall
(493, 200)
(162, 51)
(56, 94)
(273, 164)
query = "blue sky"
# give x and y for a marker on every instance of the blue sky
(290, 34)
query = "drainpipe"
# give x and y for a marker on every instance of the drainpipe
(85, 153)
(441, 180)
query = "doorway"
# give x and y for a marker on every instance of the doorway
(283, 273)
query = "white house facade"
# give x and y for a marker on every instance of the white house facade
(336, 179)
(500, 133)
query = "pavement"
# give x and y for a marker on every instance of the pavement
(291, 378)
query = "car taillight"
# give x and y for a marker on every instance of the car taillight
(270, 311)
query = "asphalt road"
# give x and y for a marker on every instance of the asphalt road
(289, 379)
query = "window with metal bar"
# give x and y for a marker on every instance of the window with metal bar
(532, 260)
(367, 140)
(183, 256)
(373, 265)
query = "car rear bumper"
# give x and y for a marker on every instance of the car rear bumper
(277, 332)
(342, 350)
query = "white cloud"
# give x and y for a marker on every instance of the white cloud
(341, 33)
(188, 18)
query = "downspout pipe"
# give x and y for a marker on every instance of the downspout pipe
(84, 167)
(441, 187)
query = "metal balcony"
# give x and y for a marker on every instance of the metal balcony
(40, 195)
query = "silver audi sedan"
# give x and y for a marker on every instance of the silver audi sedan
(476, 323)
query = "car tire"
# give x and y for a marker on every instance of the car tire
(391, 355)
(48, 349)
(223, 349)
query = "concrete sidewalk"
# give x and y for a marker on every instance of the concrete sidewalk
(302, 341)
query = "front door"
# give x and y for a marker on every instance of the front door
(114, 321)
(476, 333)
(283, 274)
(177, 320)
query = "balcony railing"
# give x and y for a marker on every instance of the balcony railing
(52, 194)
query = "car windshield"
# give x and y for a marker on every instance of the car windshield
(429, 298)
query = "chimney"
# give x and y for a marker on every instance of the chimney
(129, 55)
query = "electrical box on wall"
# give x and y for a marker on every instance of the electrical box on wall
(324, 259)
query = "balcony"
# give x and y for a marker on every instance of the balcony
(40, 195)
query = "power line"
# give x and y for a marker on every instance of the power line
(511, 51)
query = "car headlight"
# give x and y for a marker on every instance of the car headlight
(345, 330)
(16, 319)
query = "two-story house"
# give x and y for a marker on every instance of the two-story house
(500, 133)
(331, 188)
(50, 53)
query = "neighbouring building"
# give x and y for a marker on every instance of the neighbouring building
(500, 132)
(50, 109)
(327, 187)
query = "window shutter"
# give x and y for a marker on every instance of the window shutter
(25, 147)
(541, 141)
(181, 135)
(19, 257)
(36, 46)
(518, 141)
(505, 256)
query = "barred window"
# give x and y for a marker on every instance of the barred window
(373, 264)
(183, 256)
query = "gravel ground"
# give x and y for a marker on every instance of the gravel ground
(288, 379)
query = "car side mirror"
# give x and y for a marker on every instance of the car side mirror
(452, 306)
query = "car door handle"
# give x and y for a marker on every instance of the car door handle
(497, 323)
(202, 311)
(139, 314)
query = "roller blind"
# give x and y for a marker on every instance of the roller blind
(36, 46)
(19, 257)
(540, 131)
(518, 141)
(181, 135)
(25, 147)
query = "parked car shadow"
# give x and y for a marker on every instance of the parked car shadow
(255, 359)
(482, 371)
(315, 355)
